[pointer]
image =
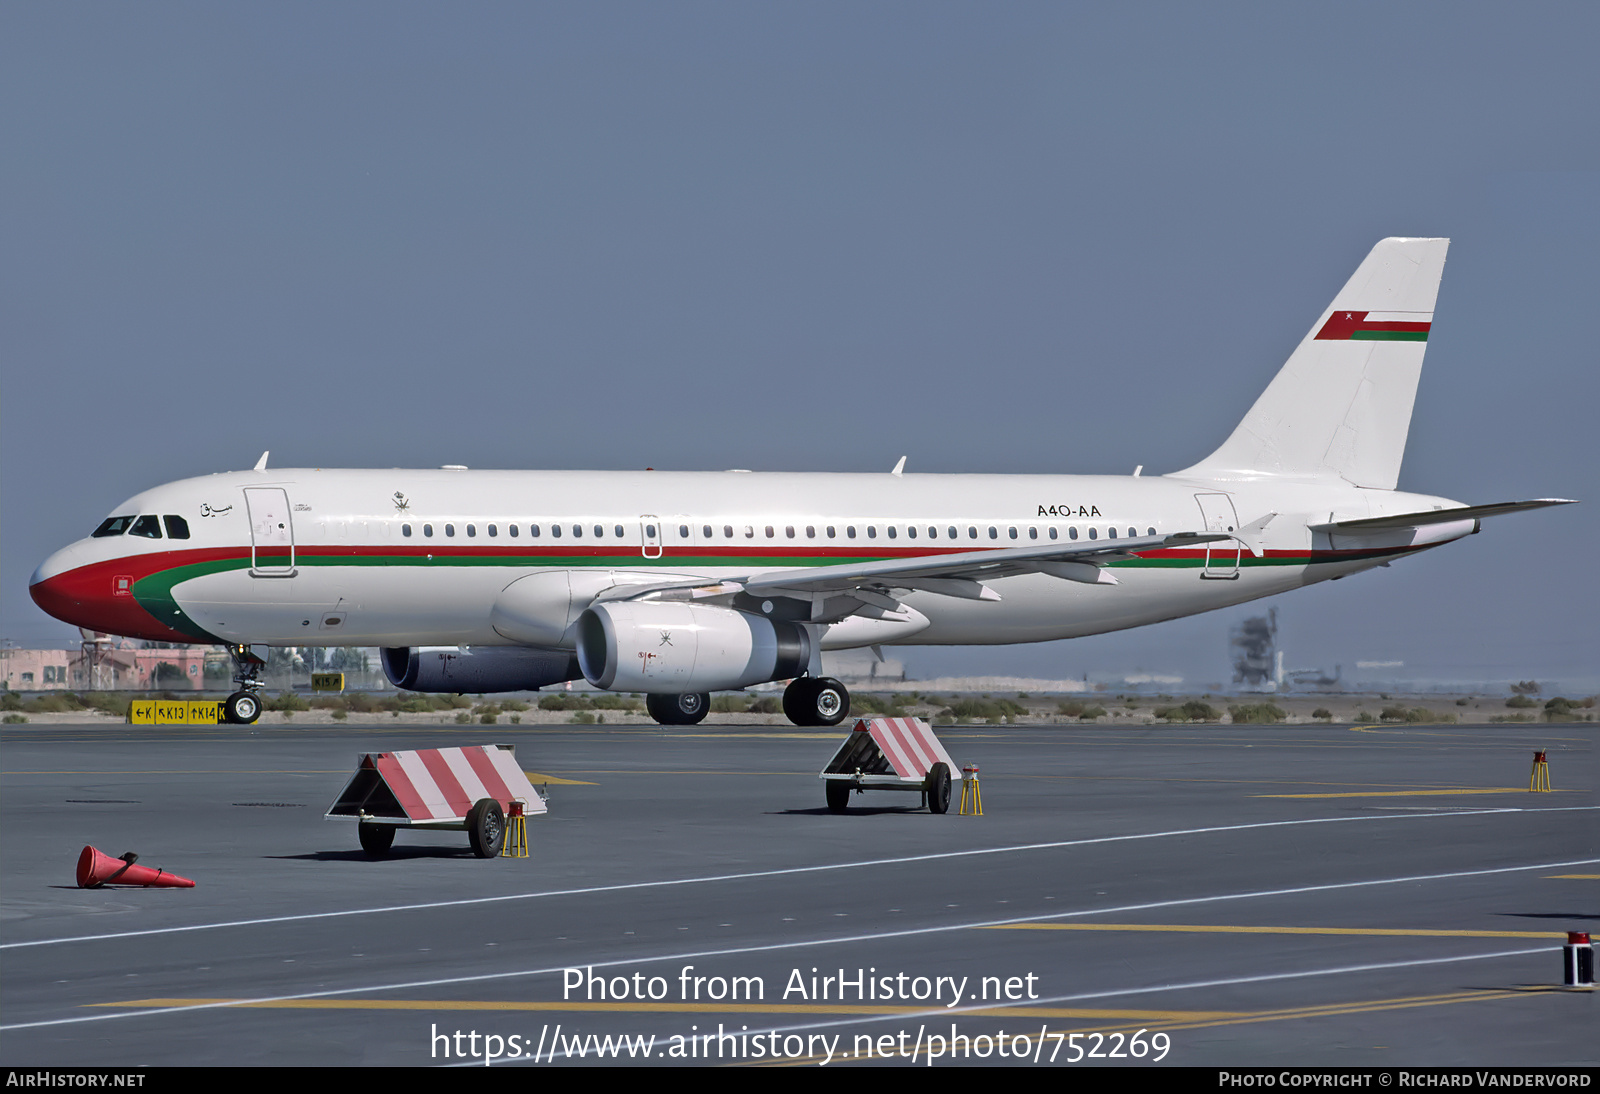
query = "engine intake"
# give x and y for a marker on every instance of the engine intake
(667, 647)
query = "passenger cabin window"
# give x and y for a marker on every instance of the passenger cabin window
(1052, 533)
(727, 531)
(148, 527)
(599, 531)
(811, 531)
(683, 531)
(1033, 533)
(705, 532)
(872, 531)
(1094, 533)
(472, 531)
(405, 530)
(769, 531)
(449, 529)
(493, 531)
(951, 531)
(555, 531)
(619, 531)
(427, 529)
(892, 531)
(112, 526)
(994, 533)
(788, 531)
(850, 531)
(177, 527)
(1072, 533)
(911, 531)
(512, 528)
(1013, 532)
(533, 530)
(830, 532)
(972, 532)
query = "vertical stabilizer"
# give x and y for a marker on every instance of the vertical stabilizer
(1341, 404)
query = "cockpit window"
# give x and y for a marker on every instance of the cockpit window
(112, 526)
(177, 527)
(147, 526)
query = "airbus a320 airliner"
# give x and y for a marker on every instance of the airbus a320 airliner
(681, 584)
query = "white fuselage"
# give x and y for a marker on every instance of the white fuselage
(420, 557)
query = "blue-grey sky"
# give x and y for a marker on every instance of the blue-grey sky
(1020, 237)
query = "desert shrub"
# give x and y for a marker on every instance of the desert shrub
(463, 717)
(1257, 714)
(984, 709)
(1192, 711)
(287, 702)
(1521, 702)
(562, 701)
(340, 715)
(583, 718)
(16, 719)
(1323, 713)
(886, 707)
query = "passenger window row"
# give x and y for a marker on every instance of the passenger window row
(708, 533)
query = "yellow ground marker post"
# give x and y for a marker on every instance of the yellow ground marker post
(516, 845)
(970, 791)
(1539, 780)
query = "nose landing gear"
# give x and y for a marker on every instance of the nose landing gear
(243, 707)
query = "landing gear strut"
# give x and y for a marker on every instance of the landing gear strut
(244, 706)
(816, 701)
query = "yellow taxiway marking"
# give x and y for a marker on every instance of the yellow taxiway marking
(1405, 793)
(1576, 877)
(1097, 1014)
(1209, 928)
(1242, 1018)
(834, 736)
(554, 780)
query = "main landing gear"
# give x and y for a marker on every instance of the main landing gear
(243, 707)
(678, 710)
(816, 701)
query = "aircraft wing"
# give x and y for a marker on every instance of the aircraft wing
(1434, 516)
(1074, 561)
(960, 574)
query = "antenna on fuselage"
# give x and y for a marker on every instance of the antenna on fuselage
(899, 467)
(261, 464)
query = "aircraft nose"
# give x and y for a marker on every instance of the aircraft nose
(53, 591)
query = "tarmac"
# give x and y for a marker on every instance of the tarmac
(1133, 895)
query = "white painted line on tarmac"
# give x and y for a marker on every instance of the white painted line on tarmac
(633, 886)
(876, 936)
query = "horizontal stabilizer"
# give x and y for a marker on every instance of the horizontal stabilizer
(1435, 516)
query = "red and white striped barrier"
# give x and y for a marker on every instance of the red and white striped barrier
(909, 745)
(436, 784)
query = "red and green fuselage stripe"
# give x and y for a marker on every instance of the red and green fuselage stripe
(155, 576)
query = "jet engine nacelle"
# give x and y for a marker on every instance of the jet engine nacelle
(669, 647)
(476, 668)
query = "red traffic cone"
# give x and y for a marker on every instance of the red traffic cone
(96, 869)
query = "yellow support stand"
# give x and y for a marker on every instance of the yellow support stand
(516, 844)
(1539, 781)
(971, 792)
